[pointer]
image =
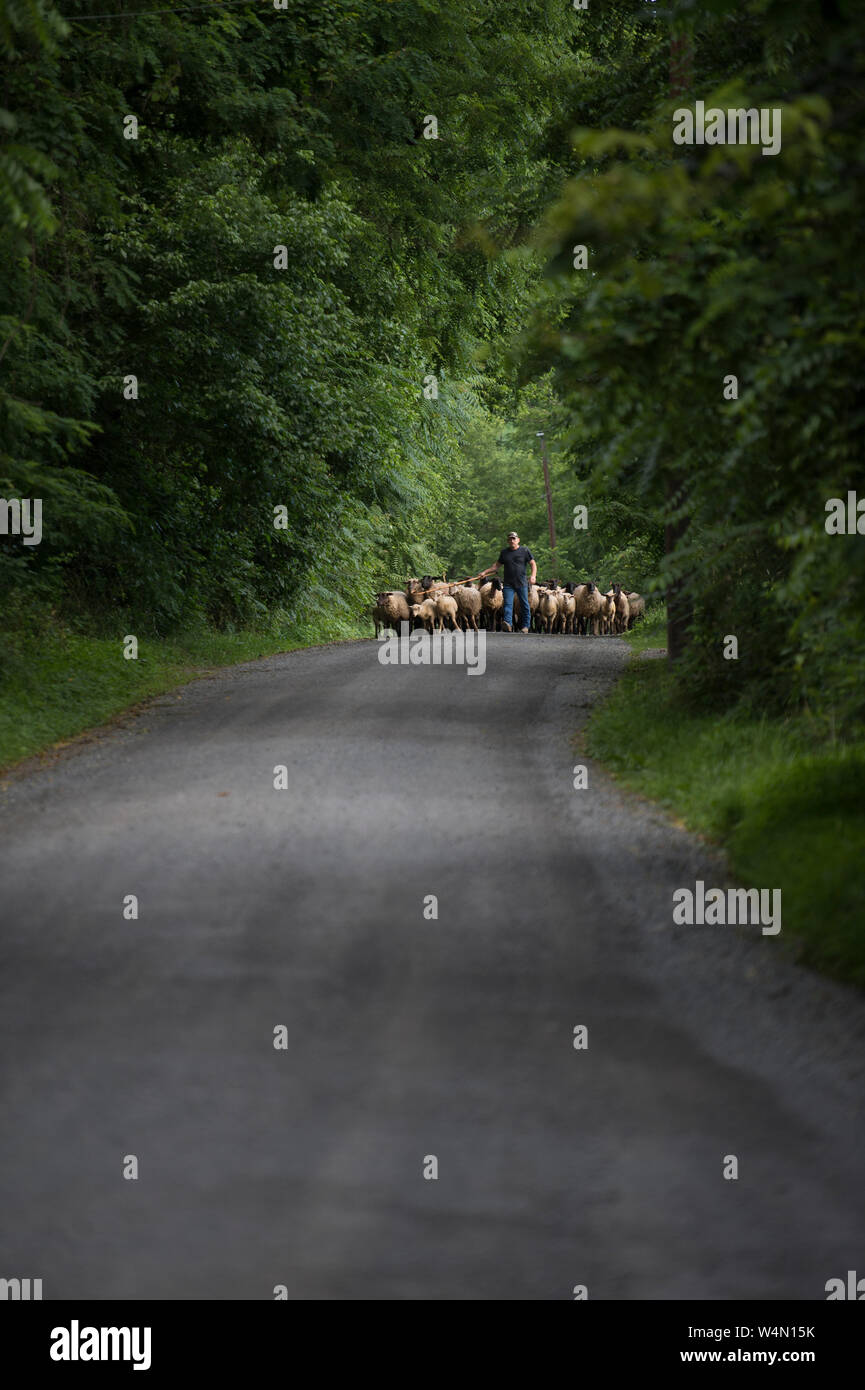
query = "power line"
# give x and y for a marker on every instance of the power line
(172, 9)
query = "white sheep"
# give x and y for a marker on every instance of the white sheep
(548, 609)
(637, 606)
(447, 611)
(390, 610)
(588, 607)
(468, 601)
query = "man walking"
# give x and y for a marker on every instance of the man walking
(514, 557)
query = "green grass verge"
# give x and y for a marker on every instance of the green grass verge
(787, 807)
(651, 631)
(55, 684)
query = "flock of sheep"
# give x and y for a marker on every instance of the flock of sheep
(576, 608)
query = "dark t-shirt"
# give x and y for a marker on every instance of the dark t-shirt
(515, 562)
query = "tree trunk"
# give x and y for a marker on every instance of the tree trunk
(680, 609)
(679, 606)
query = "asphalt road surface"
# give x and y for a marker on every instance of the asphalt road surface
(407, 1038)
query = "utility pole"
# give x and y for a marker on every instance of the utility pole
(541, 437)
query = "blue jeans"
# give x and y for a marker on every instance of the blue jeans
(522, 592)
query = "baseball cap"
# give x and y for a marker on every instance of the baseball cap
(512, 533)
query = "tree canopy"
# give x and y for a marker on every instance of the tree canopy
(713, 263)
(239, 207)
(286, 294)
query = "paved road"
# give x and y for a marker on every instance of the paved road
(406, 1037)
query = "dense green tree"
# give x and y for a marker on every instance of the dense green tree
(709, 262)
(295, 379)
(264, 379)
(502, 488)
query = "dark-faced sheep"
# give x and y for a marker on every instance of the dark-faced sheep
(492, 600)
(427, 587)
